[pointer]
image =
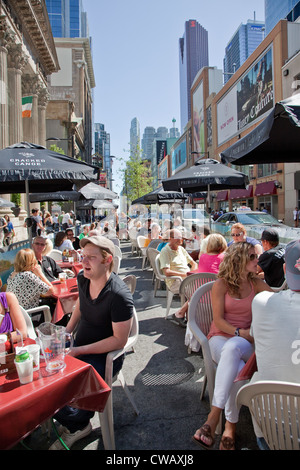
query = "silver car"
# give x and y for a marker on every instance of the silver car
(255, 222)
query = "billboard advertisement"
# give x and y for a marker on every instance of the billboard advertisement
(248, 100)
(198, 120)
(179, 156)
(161, 150)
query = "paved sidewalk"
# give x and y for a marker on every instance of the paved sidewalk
(164, 379)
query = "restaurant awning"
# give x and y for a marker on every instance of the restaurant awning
(241, 193)
(266, 189)
(222, 196)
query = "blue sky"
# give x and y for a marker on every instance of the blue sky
(136, 61)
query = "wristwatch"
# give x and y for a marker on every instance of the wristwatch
(237, 332)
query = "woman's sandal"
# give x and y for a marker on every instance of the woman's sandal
(206, 432)
(228, 443)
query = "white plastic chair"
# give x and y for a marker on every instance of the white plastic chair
(275, 411)
(187, 288)
(200, 316)
(117, 263)
(106, 417)
(132, 233)
(151, 255)
(162, 277)
(143, 249)
(55, 254)
(30, 328)
(130, 281)
(118, 252)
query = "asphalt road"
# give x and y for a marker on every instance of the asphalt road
(165, 381)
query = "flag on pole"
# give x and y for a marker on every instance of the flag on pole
(26, 106)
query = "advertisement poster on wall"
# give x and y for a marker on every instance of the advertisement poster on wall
(248, 100)
(179, 157)
(198, 120)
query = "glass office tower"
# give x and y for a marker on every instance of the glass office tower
(67, 18)
(276, 10)
(193, 56)
(244, 41)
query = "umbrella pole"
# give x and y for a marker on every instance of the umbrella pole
(208, 199)
(29, 230)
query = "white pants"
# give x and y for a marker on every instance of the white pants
(230, 354)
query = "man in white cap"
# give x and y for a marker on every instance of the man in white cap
(103, 317)
(276, 327)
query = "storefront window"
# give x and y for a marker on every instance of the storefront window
(266, 169)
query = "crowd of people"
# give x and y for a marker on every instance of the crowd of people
(247, 314)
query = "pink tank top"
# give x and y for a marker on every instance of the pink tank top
(237, 312)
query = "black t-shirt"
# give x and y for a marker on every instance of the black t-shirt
(50, 268)
(114, 304)
(271, 262)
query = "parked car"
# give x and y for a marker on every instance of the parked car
(255, 222)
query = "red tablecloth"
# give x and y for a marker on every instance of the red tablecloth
(24, 407)
(76, 267)
(66, 295)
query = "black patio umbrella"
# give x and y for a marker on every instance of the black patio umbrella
(55, 196)
(42, 169)
(31, 168)
(206, 175)
(275, 140)
(159, 196)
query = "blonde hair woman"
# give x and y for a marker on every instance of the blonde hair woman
(210, 261)
(229, 338)
(27, 281)
(239, 234)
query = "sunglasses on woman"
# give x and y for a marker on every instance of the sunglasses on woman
(253, 256)
(237, 234)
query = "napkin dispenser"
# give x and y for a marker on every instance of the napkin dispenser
(7, 356)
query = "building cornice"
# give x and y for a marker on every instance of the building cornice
(33, 18)
(85, 44)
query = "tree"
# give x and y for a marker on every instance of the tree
(136, 176)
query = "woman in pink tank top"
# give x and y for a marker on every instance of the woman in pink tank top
(229, 337)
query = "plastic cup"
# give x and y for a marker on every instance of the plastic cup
(25, 370)
(34, 350)
(62, 277)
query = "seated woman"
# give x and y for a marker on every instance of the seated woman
(229, 338)
(239, 234)
(62, 242)
(210, 261)
(11, 317)
(27, 281)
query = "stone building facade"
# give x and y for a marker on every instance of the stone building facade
(27, 57)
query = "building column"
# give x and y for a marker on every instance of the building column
(31, 87)
(16, 63)
(42, 106)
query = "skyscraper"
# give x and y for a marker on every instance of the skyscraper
(135, 137)
(67, 18)
(276, 10)
(193, 56)
(244, 41)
